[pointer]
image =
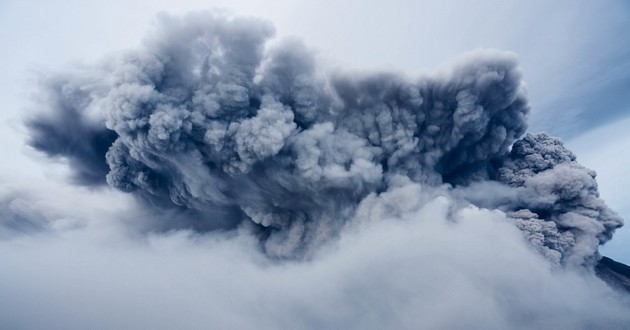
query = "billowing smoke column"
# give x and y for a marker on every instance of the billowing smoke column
(211, 118)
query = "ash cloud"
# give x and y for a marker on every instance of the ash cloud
(213, 119)
(66, 130)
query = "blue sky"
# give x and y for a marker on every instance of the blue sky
(575, 56)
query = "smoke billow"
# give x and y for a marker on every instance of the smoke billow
(212, 118)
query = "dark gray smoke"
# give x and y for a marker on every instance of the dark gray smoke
(66, 131)
(553, 199)
(212, 118)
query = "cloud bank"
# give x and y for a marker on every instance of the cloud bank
(270, 192)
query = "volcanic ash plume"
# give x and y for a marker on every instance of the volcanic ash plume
(212, 118)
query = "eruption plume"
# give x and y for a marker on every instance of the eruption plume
(213, 119)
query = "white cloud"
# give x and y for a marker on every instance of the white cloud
(434, 266)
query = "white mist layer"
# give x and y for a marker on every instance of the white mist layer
(409, 259)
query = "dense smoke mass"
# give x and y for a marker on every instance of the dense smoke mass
(218, 176)
(215, 119)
